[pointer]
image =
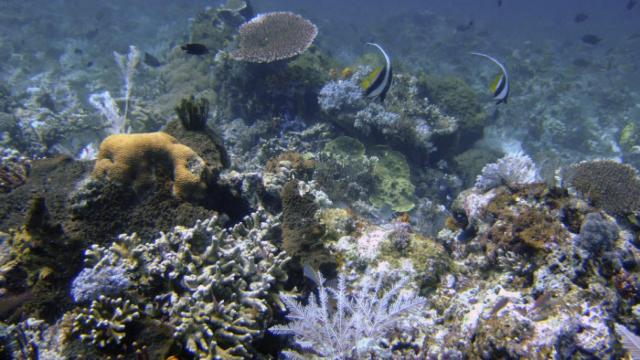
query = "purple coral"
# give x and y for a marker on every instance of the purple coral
(597, 233)
(274, 36)
(93, 282)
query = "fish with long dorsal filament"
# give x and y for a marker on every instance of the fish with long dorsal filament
(378, 82)
(500, 86)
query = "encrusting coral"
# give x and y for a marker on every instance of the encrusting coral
(136, 158)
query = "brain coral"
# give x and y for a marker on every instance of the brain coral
(137, 158)
(274, 36)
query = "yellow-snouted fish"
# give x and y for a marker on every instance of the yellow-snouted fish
(500, 86)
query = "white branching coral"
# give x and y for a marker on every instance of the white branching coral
(360, 321)
(219, 284)
(511, 171)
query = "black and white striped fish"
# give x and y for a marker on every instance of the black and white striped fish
(500, 87)
(382, 83)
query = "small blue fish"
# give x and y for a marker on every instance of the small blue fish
(500, 86)
(382, 83)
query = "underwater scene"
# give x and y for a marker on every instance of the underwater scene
(335, 179)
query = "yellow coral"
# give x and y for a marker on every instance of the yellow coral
(136, 158)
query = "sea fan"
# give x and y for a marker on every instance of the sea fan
(334, 334)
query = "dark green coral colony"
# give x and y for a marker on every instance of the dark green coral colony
(193, 113)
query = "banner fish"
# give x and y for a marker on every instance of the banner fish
(378, 82)
(500, 86)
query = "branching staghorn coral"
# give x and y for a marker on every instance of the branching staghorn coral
(105, 321)
(218, 285)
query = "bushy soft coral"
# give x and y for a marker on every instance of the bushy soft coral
(359, 323)
(511, 171)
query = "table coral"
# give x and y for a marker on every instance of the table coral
(136, 158)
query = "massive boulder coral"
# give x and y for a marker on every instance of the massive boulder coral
(134, 159)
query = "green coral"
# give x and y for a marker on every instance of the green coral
(630, 136)
(214, 28)
(263, 90)
(386, 179)
(469, 164)
(455, 97)
(393, 185)
(345, 148)
(344, 171)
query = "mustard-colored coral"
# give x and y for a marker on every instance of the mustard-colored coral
(135, 159)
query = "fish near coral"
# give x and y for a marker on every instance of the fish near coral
(377, 83)
(135, 158)
(500, 86)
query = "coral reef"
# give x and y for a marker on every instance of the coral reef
(456, 98)
(133, 159)
(597, 233)
(189, 249)
(343, 170)
(33, 338)
(14, 169)
(301, 230)
(92, 283)
(214, 26)
(392, 181)
(546, 294)
(267, 91)
(607, 184)
(408, 120)
(470, 163)
(104, 322)
(193, 113)
(215, 285)
(274, 36)
(512, 170)
(357, 328)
